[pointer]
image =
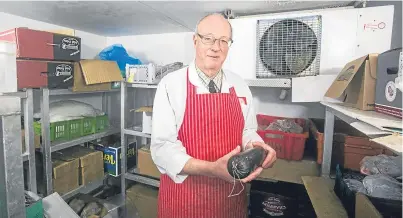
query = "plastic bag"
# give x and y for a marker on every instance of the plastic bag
(119, 54)
(355, 185)
(70, 110)
(383, 186)
(286, 125)
(382, 164)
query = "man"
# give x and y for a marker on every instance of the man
(201, 116)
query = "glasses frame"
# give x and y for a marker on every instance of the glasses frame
(230, 41)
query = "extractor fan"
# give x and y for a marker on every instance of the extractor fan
(288, 47)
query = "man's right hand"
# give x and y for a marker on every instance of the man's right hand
(219, 167)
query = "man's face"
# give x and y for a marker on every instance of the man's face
(212, 42)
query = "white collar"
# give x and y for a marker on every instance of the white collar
(196, 81)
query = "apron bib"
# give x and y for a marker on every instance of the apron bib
(212, 127)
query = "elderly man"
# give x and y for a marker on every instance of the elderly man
(202, 116)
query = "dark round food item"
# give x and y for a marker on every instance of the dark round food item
(241, 165)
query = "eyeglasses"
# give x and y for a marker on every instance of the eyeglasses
(210, 40)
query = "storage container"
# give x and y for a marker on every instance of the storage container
(389, 83)
(35, 44)
(112, 155)
(71, 129)
(279, 199)
(288, 146)
(349, 145)
(388, 208)
(50, 74)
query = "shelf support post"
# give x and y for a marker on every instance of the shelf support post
(46, 152)
(11, 167)
(328, 142)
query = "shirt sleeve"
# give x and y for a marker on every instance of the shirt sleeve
(249, 131)
(167, 152)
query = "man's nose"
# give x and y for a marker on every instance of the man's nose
(216, 45)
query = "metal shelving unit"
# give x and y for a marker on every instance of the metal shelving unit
(11, 167)
(48, 147)
(370, 123)
(128, 131)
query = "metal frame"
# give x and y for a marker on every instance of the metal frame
(11, 170)
(129, 131)
(48, 147)
(330, 115)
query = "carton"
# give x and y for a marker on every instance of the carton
(51, 74)
(91, 166)
(147, 118)
(146, 165)
(143, 200)
(95, 75)
(112, 164)
(355, 84)
(35, 44)
(65, 175)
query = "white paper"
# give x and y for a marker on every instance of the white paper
(368, 130)
(392, 142)
(311, 88)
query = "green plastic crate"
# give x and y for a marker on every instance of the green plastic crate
(88, 126)
(58, 130)
(75, 128)
(102, 123)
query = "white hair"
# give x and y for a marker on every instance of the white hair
(211, 14)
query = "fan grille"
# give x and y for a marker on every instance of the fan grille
(288, 47)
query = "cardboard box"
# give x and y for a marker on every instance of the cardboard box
(96, 75)
(147, 112)
(112, 164)
(43, 45)
(389, 84)
(355, 84)
(90, 162)
(69, 32)
(143, 200)
(290, 171)
(65, 175)
(146, 165)
(51, 74)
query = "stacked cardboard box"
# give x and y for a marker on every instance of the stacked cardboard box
(52, 59)
(65, 175)
(90, 163)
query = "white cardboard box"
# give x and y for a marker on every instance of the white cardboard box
(147, 118)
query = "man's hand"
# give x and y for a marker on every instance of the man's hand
(268, 161)
(219, 167)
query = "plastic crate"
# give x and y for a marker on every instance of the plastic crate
(388, 208)
(289, 146)
(88, 126)
(58, 130)
(102, 123)
(75, 128)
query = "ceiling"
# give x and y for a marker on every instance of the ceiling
(111, 18)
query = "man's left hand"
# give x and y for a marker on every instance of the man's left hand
(268, 161)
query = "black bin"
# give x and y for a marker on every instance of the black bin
(279, 199)
(387, 207)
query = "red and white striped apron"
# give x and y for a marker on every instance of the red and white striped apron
(212, 127)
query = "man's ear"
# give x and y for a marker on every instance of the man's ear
(194, 39)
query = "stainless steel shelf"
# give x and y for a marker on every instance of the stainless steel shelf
(142, 179)
(85, 188)
(25, 156)
(70, 92)
(15, 94)
(136, 133)
(62, 145)
(274, 83)
(140, 85)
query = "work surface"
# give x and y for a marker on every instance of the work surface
(381, 128)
